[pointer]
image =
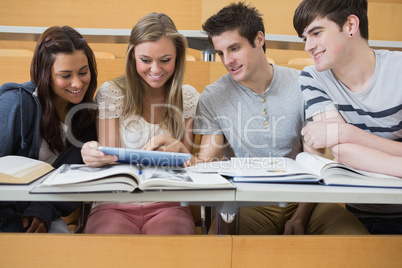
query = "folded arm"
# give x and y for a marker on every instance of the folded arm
(348, 144)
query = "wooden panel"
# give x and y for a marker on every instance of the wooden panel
(51, 250)
(385, 20)
(109, 69)
(18, 44)
(294, 66)
(217, 70)
(97, 13)
(197, 74)
(384, 16)
(282, 56)
(14, 69)
(316, 251)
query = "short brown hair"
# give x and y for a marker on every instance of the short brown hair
(245, 18)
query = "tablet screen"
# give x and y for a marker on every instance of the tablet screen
(145, 157)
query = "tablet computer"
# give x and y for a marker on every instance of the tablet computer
(145, 157)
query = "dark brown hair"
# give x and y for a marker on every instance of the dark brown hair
(245, 18)
(56, 40)
(337, 11)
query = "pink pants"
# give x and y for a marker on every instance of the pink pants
(156, 218)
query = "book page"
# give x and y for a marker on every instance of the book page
(209, 167)
(70, 174)
(108, 184)
(170, 178)
(21, 170)
(313, 162)
(339, 174)
(265, 167)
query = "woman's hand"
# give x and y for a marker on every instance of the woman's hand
(35, 224)
(93, 157)
(168, 144)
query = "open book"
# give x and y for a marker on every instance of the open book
(127, 178)
(307, 168)
(21, 170)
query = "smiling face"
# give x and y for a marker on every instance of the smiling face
(237, 55)
(70, 78)
(325, 43)
(156, 61)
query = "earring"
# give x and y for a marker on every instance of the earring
(351, 35)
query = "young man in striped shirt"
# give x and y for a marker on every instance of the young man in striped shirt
(353, 96)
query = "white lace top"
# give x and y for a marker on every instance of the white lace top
(135, 131)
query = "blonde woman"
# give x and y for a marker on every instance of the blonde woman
(149, 100)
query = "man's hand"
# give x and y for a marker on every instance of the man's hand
(321, 134)
(294, 227)
(298, 223)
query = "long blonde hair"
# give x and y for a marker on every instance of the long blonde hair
(152, 27)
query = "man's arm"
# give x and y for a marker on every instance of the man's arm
(211, 148)
(374, 160)
(300, 219)
(349, 143)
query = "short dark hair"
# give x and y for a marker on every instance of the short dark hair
(336, 10)
(245, 18)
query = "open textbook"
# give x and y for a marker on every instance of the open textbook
(307, 168)
(19, 170)
(127, 178)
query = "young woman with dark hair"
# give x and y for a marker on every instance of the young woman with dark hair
(48, 119)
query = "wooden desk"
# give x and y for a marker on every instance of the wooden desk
(316, 251)
(80, 250)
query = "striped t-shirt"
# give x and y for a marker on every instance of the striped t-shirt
(378, 109)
